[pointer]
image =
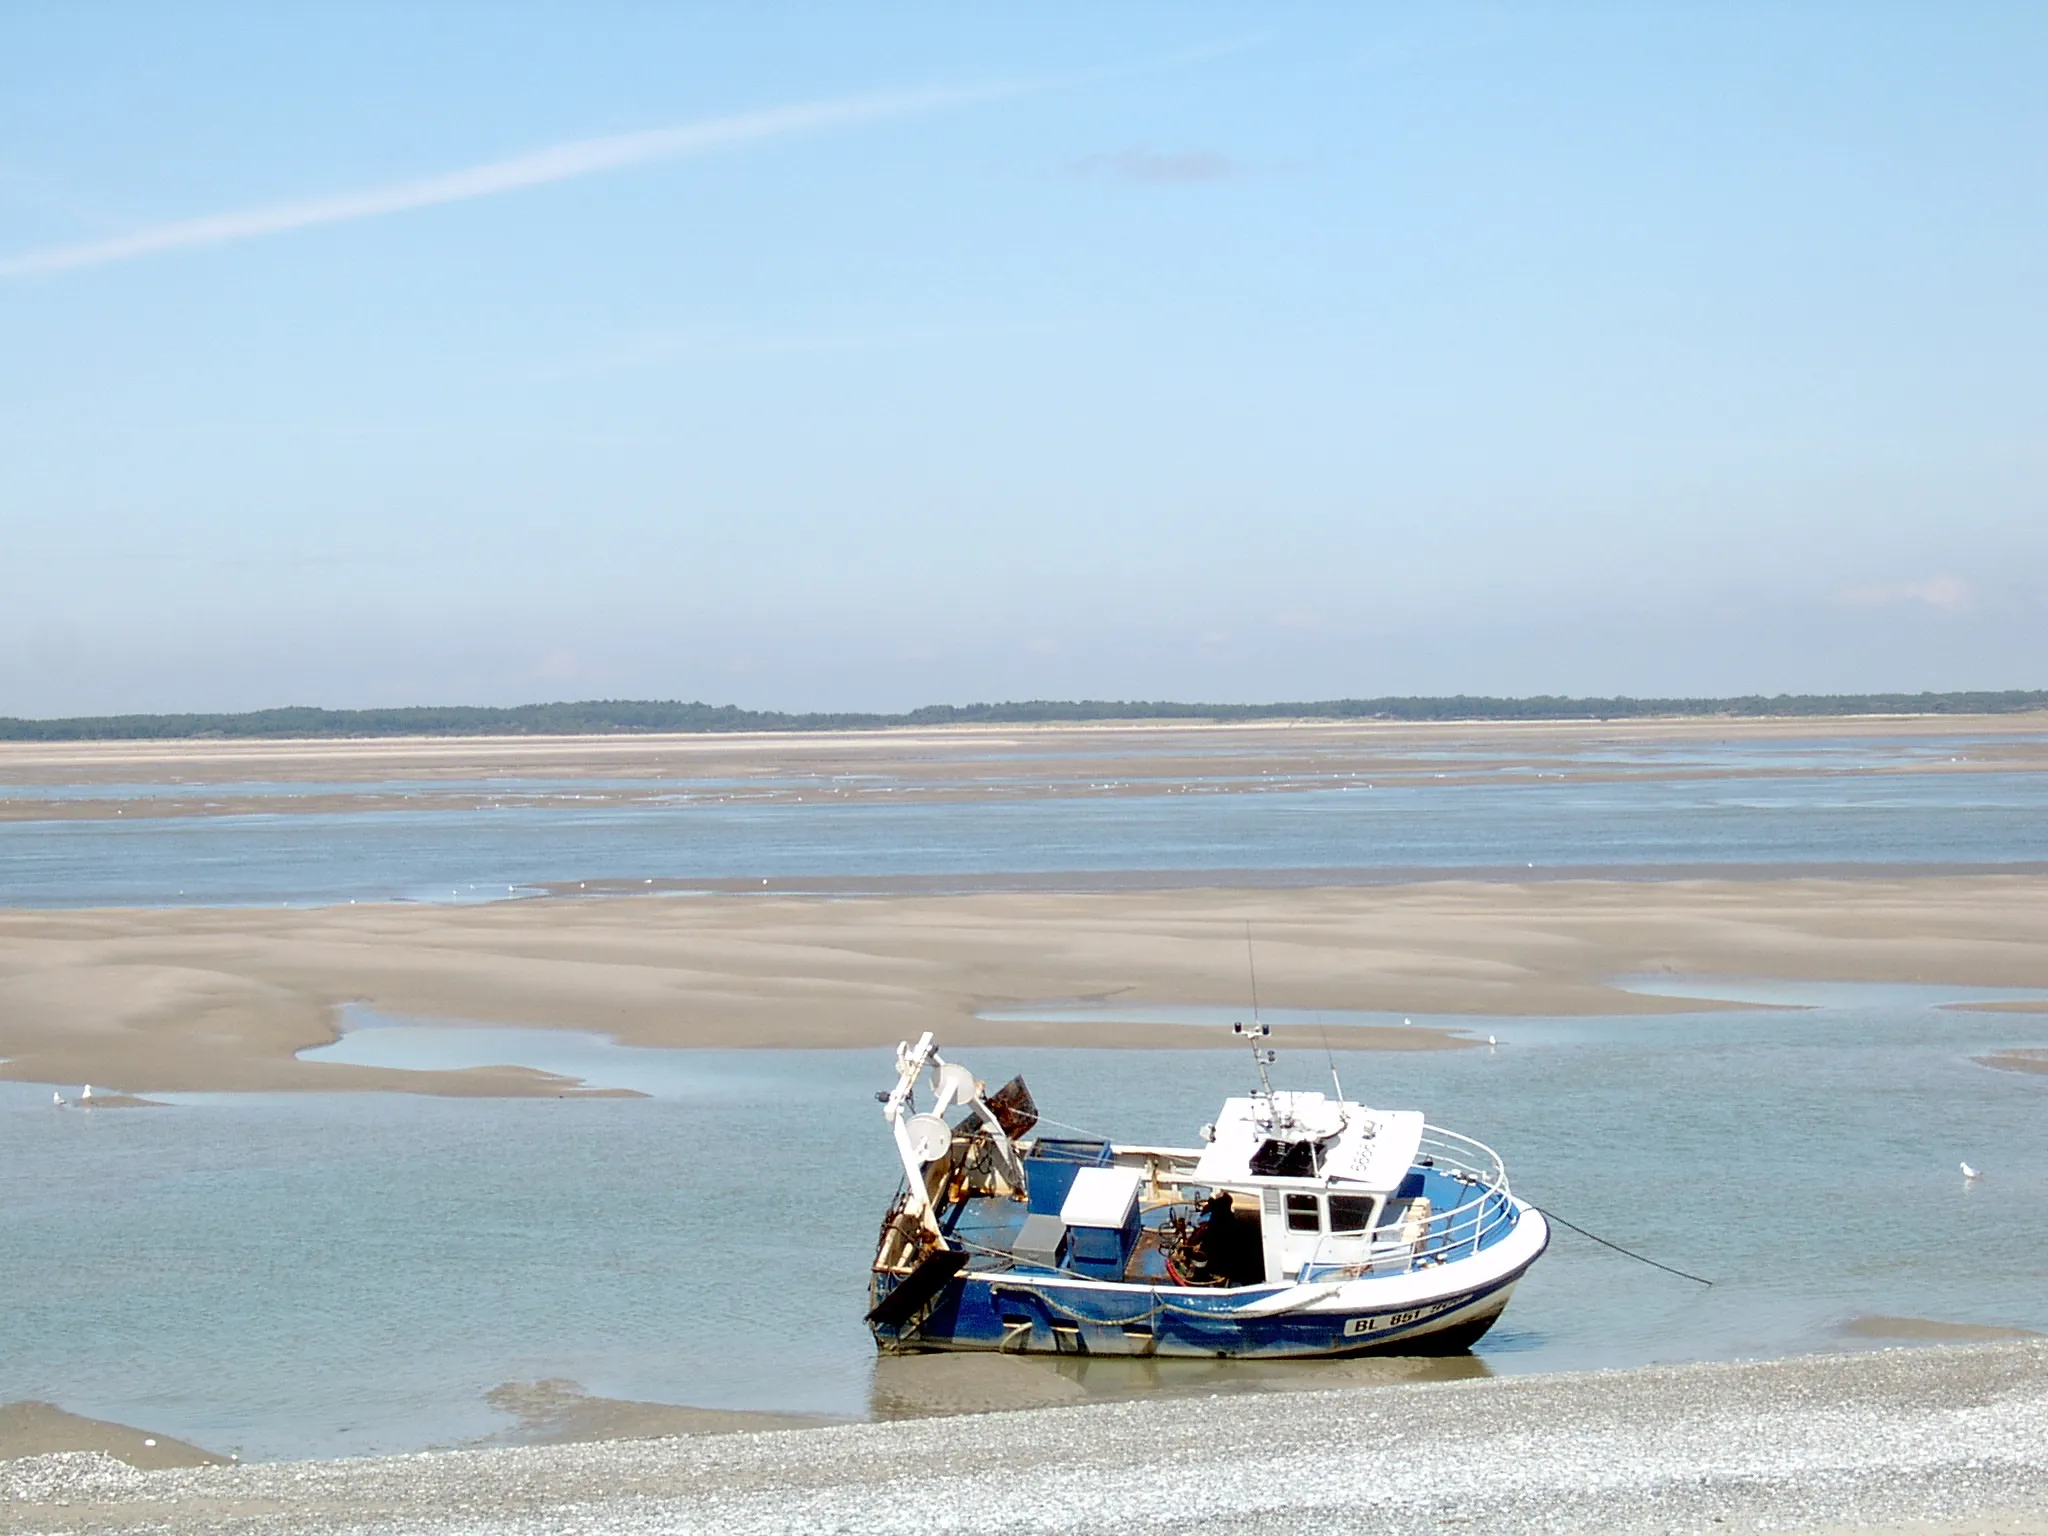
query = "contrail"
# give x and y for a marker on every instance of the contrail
(560, 162)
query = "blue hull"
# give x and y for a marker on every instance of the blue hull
(1038, 1314)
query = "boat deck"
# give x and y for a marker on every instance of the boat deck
(992, 1228)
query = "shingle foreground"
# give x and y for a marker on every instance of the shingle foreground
(1957, 1438)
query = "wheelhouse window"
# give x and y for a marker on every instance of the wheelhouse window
(1304, 1213)
(1350, 1213)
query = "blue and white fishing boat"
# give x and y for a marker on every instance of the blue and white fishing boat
(1304, 1226)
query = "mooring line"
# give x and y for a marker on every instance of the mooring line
(1626, 1252)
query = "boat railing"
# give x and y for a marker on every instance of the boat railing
(1399, 1245)
(1484, 1213)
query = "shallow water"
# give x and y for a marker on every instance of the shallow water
(1205, 1015)
(296, 1275)
(290, 1275)
(491, 852)
(1779, 992)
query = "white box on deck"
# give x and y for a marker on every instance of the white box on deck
(1102, 1197)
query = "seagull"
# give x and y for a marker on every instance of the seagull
(1491, 1041)
(85, 1097)
(57, 1099)
(1969, 1172)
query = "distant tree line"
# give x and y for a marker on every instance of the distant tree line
(606, 717)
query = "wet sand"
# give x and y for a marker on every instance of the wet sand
(932, 1385)
(162, 1000)
(1928, 1330)
(557, 1412)
(1927, 1440)
(43, 1429)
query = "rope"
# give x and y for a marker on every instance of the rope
(1161, 1306)
(1625, 1252)
(1068, 1126)
(1031, 1292)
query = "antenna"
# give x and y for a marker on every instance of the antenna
(1252, 965)
(1334, 1083)
(1261, 1057)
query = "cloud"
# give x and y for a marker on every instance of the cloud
(560, 162)
(584, 157)
(1145, 167)
(1951, 594)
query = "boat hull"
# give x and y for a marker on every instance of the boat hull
(1044, 1314)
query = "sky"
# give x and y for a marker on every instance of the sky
(864, 357)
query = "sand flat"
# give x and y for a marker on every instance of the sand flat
(1077, 754)
(43, 1429)
(162, 1000)
(559, 1412)
(1928, 1330)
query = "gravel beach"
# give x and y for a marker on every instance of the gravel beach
(1928, 1440)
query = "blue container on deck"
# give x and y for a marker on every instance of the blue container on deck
(1101, 1216)
(1050, 1170)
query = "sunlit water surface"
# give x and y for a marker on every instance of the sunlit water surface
(485, 853)
(308, 1274)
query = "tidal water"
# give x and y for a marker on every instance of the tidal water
(297, 1275)
(484, 853)
(324, 1274)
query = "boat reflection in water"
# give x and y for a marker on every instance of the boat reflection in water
(924, 1384)
(1305, 1226)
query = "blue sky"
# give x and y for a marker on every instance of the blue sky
(864, 357)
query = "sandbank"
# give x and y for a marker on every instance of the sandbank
(1928, 1330)
(43, 1429)
(557, 1412)
(980, 763)
(192, 999)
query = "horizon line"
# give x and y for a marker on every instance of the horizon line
(669, 716)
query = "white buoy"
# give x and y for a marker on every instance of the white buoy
(1491, 1041)
(1969, 1172)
